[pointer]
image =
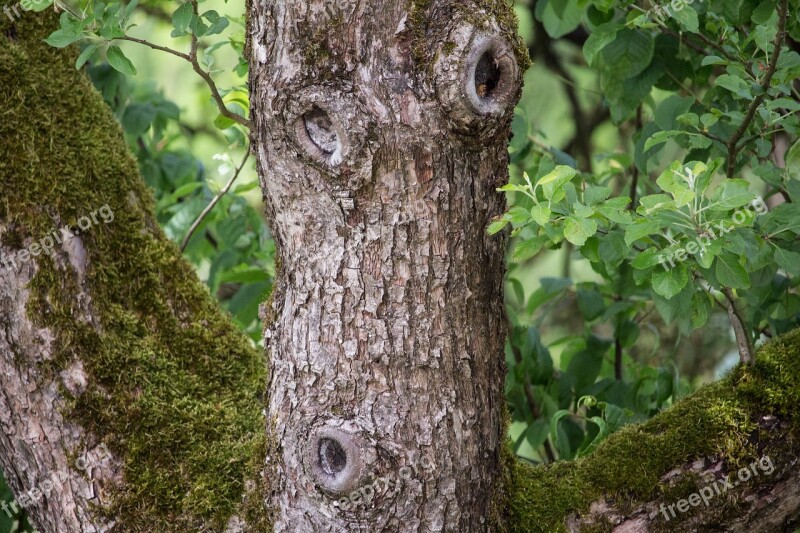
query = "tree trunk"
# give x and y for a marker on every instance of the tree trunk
(381, 132)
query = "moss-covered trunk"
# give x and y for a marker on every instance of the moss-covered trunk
(127, 396)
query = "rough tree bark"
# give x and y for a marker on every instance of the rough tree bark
(381, 132)
(379, 153)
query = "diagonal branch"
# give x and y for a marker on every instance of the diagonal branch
(214, 202)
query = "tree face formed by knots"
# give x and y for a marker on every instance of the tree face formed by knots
(381, 131)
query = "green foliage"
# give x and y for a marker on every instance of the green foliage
(101, 25)
(673, 223)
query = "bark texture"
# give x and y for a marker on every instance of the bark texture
(37, 445)
(380, 132)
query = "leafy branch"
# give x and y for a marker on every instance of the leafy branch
(109, 23)
(780, 37)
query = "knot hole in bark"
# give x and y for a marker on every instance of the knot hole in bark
(319, 136)
(334, 459)
(478, 80)
(491, 75)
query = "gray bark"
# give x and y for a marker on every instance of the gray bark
(379, 163)
(39, 448)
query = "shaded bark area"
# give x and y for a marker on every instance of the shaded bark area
(381, 133)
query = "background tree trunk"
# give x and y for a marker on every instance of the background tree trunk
(381, 131)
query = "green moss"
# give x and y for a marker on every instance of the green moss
(718, 420)
(175, 390)
(479, 13)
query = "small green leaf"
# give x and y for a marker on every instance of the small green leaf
(713, 60)
(599, 39)
(62, 38)
(556, 179)
(590, 302)
(181, 19)
(218, 23)
(736, 85)
(526, 249)
(730, 273)
(639, 230)
(686, 17)
(540, 214)
(669, 282)
(35, 5)
(629, 54)
(649, 258)
(86, 54)
(119, 62)
(787, 260)
(537, 433)
(222, 122)
(577, 230)
(497, 226)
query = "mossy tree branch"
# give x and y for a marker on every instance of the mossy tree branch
(112, 339)
(750, 415)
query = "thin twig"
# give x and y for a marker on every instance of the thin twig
(191, 57)
(635, 172)
(733, 148)
(740, 329)
(224, 111)
(155, 46)
(214, 202)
